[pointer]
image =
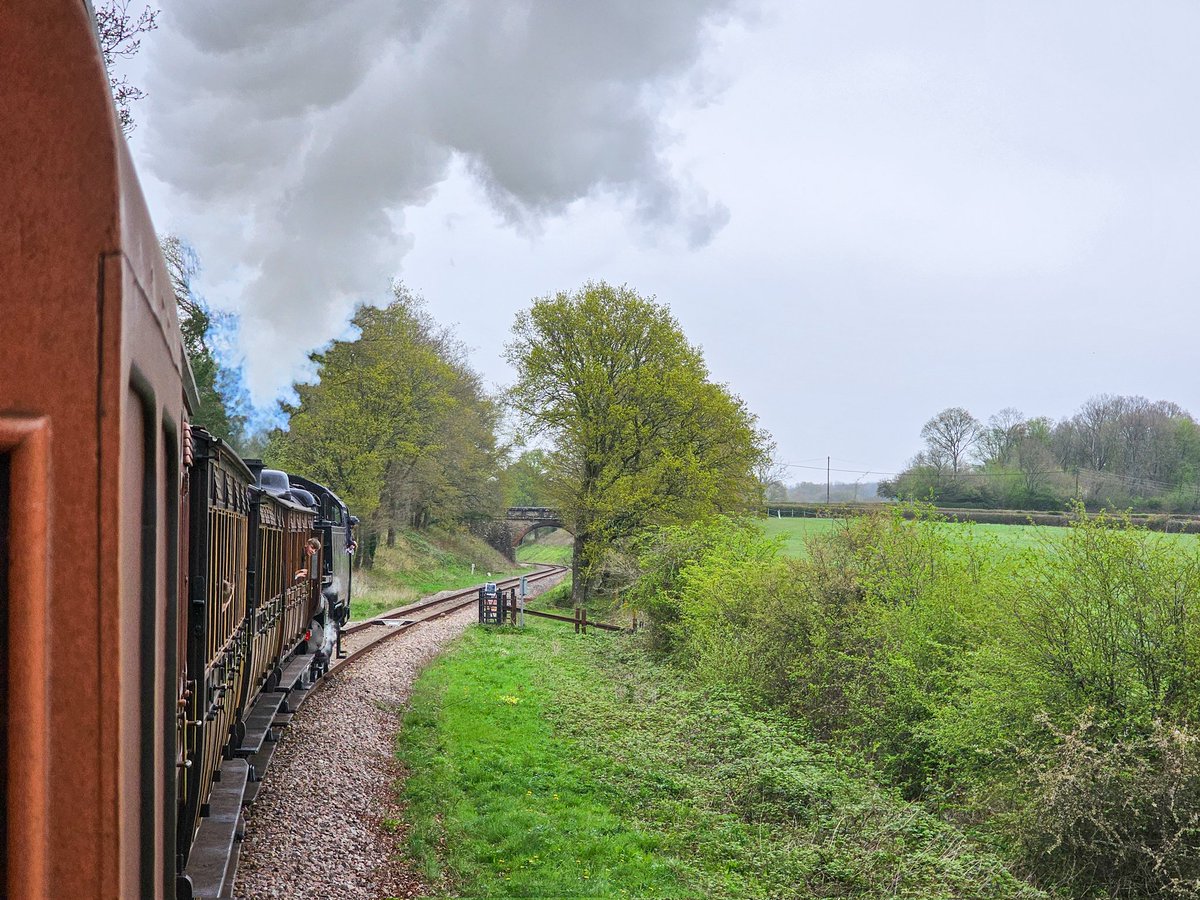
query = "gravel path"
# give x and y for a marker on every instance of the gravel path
(316, 829)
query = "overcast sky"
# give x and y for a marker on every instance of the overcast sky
(864, 212)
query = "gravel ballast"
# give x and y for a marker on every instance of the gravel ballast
(326, 822)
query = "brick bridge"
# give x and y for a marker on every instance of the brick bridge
(505, 534)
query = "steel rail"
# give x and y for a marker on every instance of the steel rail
(424, 610)
(454, 602)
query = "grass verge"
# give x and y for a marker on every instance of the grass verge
(554, 548)
(546, 764)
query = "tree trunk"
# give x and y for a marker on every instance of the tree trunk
(391, 536)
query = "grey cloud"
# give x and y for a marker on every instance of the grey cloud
(306, 127)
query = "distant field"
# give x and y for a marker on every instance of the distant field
(796, 531)
(1006, 537)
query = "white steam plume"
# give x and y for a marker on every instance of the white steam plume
(299, 130)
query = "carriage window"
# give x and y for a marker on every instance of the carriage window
(4, 490)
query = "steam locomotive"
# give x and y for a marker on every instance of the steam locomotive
(155, 589)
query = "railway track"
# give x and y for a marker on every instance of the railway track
(214, 858)
(368, 633)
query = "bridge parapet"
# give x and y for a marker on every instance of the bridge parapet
(533, 513)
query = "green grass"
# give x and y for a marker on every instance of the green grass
(546, 764)
(421, 564)
(795, 531)
(1005, 538)
(555, 554)
(553, 547)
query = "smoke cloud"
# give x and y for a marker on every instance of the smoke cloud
(297, 132)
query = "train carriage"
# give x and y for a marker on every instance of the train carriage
(92, 415)
(150, 589)
(336, 527)
(284, 592)
(216, 654)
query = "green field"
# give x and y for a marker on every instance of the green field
(795, 532)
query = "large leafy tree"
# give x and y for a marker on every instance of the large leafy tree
(642, 436)
(397, 424)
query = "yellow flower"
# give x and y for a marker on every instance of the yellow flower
(508, 698)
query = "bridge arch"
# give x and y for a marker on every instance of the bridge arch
(524, 519)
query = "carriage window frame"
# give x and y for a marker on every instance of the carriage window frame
(26, 445)
(5, 487)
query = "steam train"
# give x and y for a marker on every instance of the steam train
(155, 589)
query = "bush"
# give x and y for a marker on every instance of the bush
(961, 674)
(1109, 618)
(864, 639)
(1116, 819)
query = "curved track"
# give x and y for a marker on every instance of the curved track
(362, 636)
(213, 867)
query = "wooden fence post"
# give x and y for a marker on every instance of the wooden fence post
(583, 623)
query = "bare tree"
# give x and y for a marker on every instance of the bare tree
(120, 39)
(950, 435)
(997, 442)
(1095, 424)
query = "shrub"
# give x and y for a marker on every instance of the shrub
(1116, 818)
(679, 567)
(961, 673)
(1109, 618)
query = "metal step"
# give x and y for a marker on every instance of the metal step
(213, 860)
(262, 759)
(260, 724)
(294, 671)
(251, 793)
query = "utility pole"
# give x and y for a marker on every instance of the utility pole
(827, 481)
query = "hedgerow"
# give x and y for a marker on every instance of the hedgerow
(1047, 699)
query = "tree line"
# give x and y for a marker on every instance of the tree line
(613, 420)
(1115, 451)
